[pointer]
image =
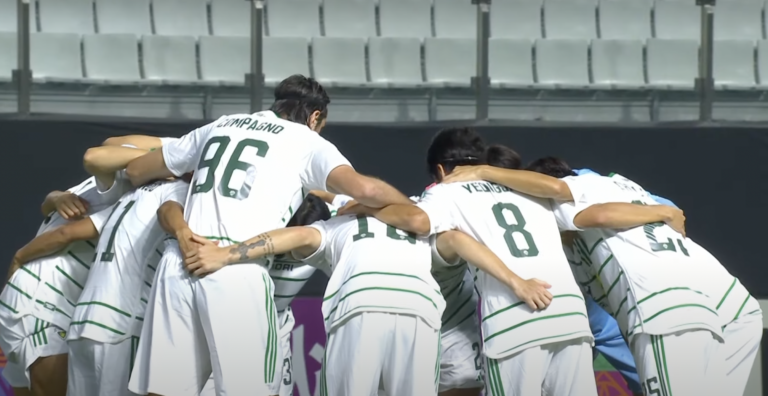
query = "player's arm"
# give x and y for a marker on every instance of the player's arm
(176, 157)
(170, 215)
(454, 244)
(302, 241)
(53, 241)
(366, 190)
(628, 215)
(68, 205)
(104, 161)
(148, 167)
(526, 182)
(143, 142)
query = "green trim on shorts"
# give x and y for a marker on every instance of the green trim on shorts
(495, 383)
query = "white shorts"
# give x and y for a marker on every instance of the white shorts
(400, 352)
(166, 362)
(283, 385)
(24, 340)
(682, 363)
(99, 369)
(560, 369)
(461, 358)
(742, 340)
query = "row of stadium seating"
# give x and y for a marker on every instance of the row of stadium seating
(532, 19)
(119, 59)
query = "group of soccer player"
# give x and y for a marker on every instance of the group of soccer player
(171, 270)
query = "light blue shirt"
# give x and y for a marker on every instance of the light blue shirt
(658, 199)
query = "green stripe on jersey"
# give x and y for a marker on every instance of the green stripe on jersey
(498, 333)
(374, 273)
(118, 310)
(103, 326)
(378, 288)
(517, 304)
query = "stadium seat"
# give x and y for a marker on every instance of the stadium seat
(621, 19)
(573, 19)
(9, 61)
(734, 64)
(455, 19)
(405, 18)
(450, 62)
(123, 16)
(111, 58)
(70, 16)
(395, 62)
(762, 63)
(516, 19)
(284, 21)
(180, 17)
(339, 61)
(287, 56)
(618, 64)
(510, 63)
(739, 21)
(55, 57)
(8, 21)
(236, 51)
(231, 18)
(349, 18)
(672, 64)
(170, 59)
(562, 63)
(677, 20)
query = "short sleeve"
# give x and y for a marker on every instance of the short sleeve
(438, 206)
(100, 218)
(181, 155)
(167, 140)
(565, 212)
(176, 192)
(437, 259)
(318, 258)
(110, 194)
(324, 157)
(340, 200)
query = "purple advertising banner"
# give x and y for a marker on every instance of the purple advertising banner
(308, 347)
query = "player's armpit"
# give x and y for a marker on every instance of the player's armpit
(57, 239)
(102, 162)
(143, 142)
(628, 215)
(408, 218)
(148, 167)
(533, 291)
(364, 189)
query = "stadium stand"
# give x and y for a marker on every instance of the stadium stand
(611, 54)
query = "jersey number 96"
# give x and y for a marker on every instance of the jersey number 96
(233, 164)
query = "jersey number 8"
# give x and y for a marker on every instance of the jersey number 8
(233, 164)
(511, 229)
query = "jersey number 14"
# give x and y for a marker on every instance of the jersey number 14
(234, 163)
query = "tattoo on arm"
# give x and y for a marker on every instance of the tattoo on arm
(243, 248)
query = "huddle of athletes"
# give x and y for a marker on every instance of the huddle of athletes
(171, 271)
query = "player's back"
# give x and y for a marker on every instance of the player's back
(522, 231)
(250, 171)
(375, 268)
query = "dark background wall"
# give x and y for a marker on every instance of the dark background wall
(717, 174)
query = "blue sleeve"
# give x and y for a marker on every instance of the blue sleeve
(610, 343)
(663, 201)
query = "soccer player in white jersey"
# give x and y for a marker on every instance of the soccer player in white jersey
(643, 276)
(100, 335)
(47, 275)
(527, 352)
(249, 168)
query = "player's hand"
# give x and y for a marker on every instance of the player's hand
(70, 206)
(208, 258)
(464, 174)
(675, 218)
(534, 293)
(187, 242)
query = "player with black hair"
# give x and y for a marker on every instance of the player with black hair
(249, 171)
(501, 156)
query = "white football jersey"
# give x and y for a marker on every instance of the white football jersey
(249, 170)
(49, 287)
(289, 276)
(374, 267)
(523, 233)
(645, 272)
(111, 301)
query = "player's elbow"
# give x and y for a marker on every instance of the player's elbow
(91, 159)
(365, 190)
(418, 222)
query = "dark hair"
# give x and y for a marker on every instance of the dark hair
(501, 156)
(551, 166)
(454, 147)
(297, 97)
(311, 210)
